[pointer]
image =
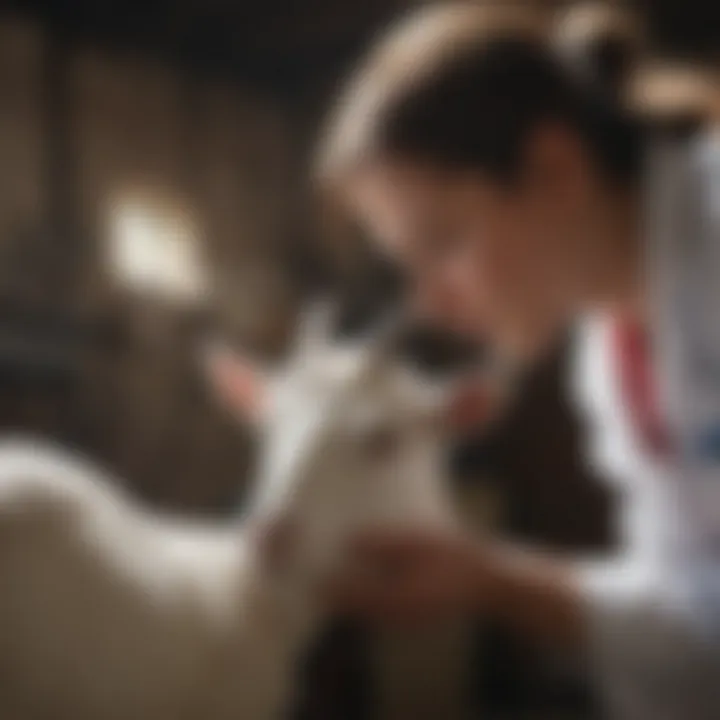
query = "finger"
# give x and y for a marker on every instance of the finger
(348, 595)
(391, 545)
(380, 598)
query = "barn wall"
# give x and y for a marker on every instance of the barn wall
(21, 148)
(79, 127)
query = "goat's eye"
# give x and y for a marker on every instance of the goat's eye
(380, 442)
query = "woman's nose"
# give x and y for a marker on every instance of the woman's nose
(426, 301)
(439, 305)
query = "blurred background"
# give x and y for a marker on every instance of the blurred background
(153, 161)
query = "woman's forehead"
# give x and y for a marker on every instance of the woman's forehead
(402, 184)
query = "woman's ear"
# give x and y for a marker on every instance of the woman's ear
(237, 383)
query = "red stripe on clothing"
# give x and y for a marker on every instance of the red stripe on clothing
(638, 386)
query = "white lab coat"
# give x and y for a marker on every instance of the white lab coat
(653, 612)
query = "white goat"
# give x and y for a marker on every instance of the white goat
(110, 611)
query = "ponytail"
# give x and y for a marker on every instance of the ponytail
(605, 46)
(602, 44)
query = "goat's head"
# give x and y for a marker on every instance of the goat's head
(351, 437)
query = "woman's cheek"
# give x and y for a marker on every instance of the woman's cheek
(466, 282)
(484, 271)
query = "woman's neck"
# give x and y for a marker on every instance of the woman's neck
(615, 274)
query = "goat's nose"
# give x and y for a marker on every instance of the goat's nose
(275, 540)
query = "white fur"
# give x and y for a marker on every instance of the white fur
(109, 611)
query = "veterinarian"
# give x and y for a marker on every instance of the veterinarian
(521, 198)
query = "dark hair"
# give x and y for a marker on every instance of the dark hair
(465, 93)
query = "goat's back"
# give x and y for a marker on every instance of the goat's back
(108, 611)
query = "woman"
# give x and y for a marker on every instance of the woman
(514, 192)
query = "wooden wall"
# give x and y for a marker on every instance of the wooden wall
(80, 126)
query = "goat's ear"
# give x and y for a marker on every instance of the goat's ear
(239, 385)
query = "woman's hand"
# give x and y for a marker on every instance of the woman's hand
(413, 576)
(410, 576)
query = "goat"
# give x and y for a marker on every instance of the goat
(111, 611)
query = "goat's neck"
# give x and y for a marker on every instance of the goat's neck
(283, 601)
